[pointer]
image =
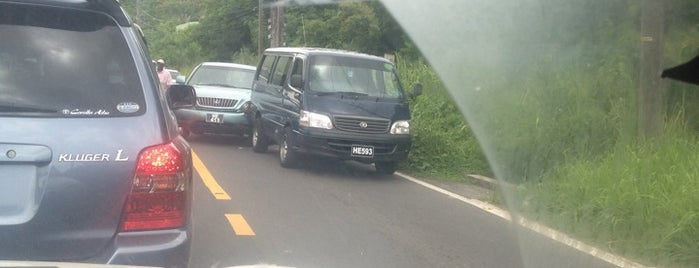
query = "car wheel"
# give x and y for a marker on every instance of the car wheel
(287, 157)
(386, 168)
(259, 141)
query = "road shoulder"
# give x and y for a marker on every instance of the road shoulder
(480, 191)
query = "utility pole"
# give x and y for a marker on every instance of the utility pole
(138, 11)
(260, 32)
(650, 94)
(277, 34)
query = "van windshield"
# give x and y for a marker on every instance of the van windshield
(223, 77)
(353, 76)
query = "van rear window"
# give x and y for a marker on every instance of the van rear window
(65, 63)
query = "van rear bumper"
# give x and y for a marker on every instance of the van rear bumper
(338, 145)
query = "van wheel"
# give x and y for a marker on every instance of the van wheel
(386, 168)
(260, 143)
(287, 157)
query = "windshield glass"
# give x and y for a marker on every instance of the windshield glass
(534, 133)
(71, 63)
(222, 76)
(333, 74)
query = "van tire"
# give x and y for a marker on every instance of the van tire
(287, 158)
(385, 168)
(260, 142)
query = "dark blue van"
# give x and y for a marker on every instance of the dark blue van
(331, 103)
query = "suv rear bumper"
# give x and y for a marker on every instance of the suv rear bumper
(160, 248)
(338, 145)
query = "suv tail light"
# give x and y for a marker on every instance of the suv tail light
(158, 194)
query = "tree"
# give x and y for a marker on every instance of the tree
(225, 29)
(392, 37)
(228, 27)
(347, 25)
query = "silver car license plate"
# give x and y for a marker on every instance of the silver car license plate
(214, 118)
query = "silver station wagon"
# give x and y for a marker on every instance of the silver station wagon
(223, 100)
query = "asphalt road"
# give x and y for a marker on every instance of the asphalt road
(249, 210)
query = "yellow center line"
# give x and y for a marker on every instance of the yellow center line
(240, 226)
(208, 179)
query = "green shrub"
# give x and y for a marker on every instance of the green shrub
(246, 56)
(443, 145)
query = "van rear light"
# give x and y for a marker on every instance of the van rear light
(159, 191)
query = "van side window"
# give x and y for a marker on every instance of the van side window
(266, 68)
(298, 67)
(280, 71)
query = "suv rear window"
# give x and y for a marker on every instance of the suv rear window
(65, 63)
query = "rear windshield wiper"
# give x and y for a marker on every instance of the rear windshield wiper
(14, 108)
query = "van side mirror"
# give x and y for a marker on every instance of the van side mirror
(181, 96)
(417, 91)
(296, 81)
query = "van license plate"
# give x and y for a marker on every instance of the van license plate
(364, 151)
(214, 118)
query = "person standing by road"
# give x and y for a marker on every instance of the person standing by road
(163, 75)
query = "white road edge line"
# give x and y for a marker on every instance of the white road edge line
(533, 226)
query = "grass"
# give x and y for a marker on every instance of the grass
(443, 145)
(639, 200)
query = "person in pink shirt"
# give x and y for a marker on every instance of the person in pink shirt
(163, 75)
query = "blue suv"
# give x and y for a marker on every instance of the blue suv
(92, 166)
